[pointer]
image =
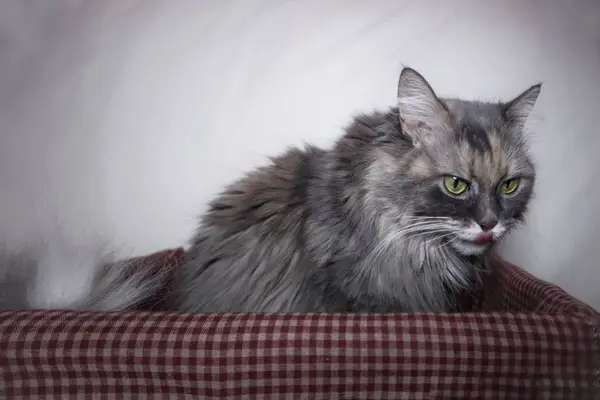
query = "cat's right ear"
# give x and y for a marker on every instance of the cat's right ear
(422, 114)
(517, 111)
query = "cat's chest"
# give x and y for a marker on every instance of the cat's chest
(412, 275)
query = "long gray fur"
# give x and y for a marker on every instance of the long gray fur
(62, 275)
(339, 230)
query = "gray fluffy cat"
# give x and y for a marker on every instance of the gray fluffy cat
(400, 215)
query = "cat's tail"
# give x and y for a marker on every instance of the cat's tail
(59, 275)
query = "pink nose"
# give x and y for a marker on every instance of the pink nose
(488, 226)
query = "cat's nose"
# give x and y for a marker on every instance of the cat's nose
(488, 225)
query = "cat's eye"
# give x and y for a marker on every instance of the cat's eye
(509, 186)
(455, 186)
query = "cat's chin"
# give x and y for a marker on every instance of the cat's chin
(468, 248)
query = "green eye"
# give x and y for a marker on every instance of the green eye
(454, 185)
(509, 186)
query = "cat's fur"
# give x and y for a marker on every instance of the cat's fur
(367, 225)
(364, 226)
(65, 274)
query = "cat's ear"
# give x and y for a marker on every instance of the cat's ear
(422, 113)
(517, 111)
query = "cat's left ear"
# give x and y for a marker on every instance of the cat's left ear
(518, 110)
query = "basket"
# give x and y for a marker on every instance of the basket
(523, 339)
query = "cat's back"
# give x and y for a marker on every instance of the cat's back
(248, 249)
(271, 198)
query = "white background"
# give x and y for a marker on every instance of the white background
(125, 116)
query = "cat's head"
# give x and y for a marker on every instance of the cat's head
(467, 176)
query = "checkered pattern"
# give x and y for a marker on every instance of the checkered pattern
(536, 343)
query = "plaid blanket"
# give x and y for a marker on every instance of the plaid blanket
(527, 340)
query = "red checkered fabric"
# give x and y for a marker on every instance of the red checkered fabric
(531, 341)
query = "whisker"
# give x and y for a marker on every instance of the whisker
(438, 238)
(432, 219)
(424, 229)
(426, 217)
(424, 223)
(449, 241)
(432, 233)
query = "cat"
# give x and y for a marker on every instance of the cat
(402, 214)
